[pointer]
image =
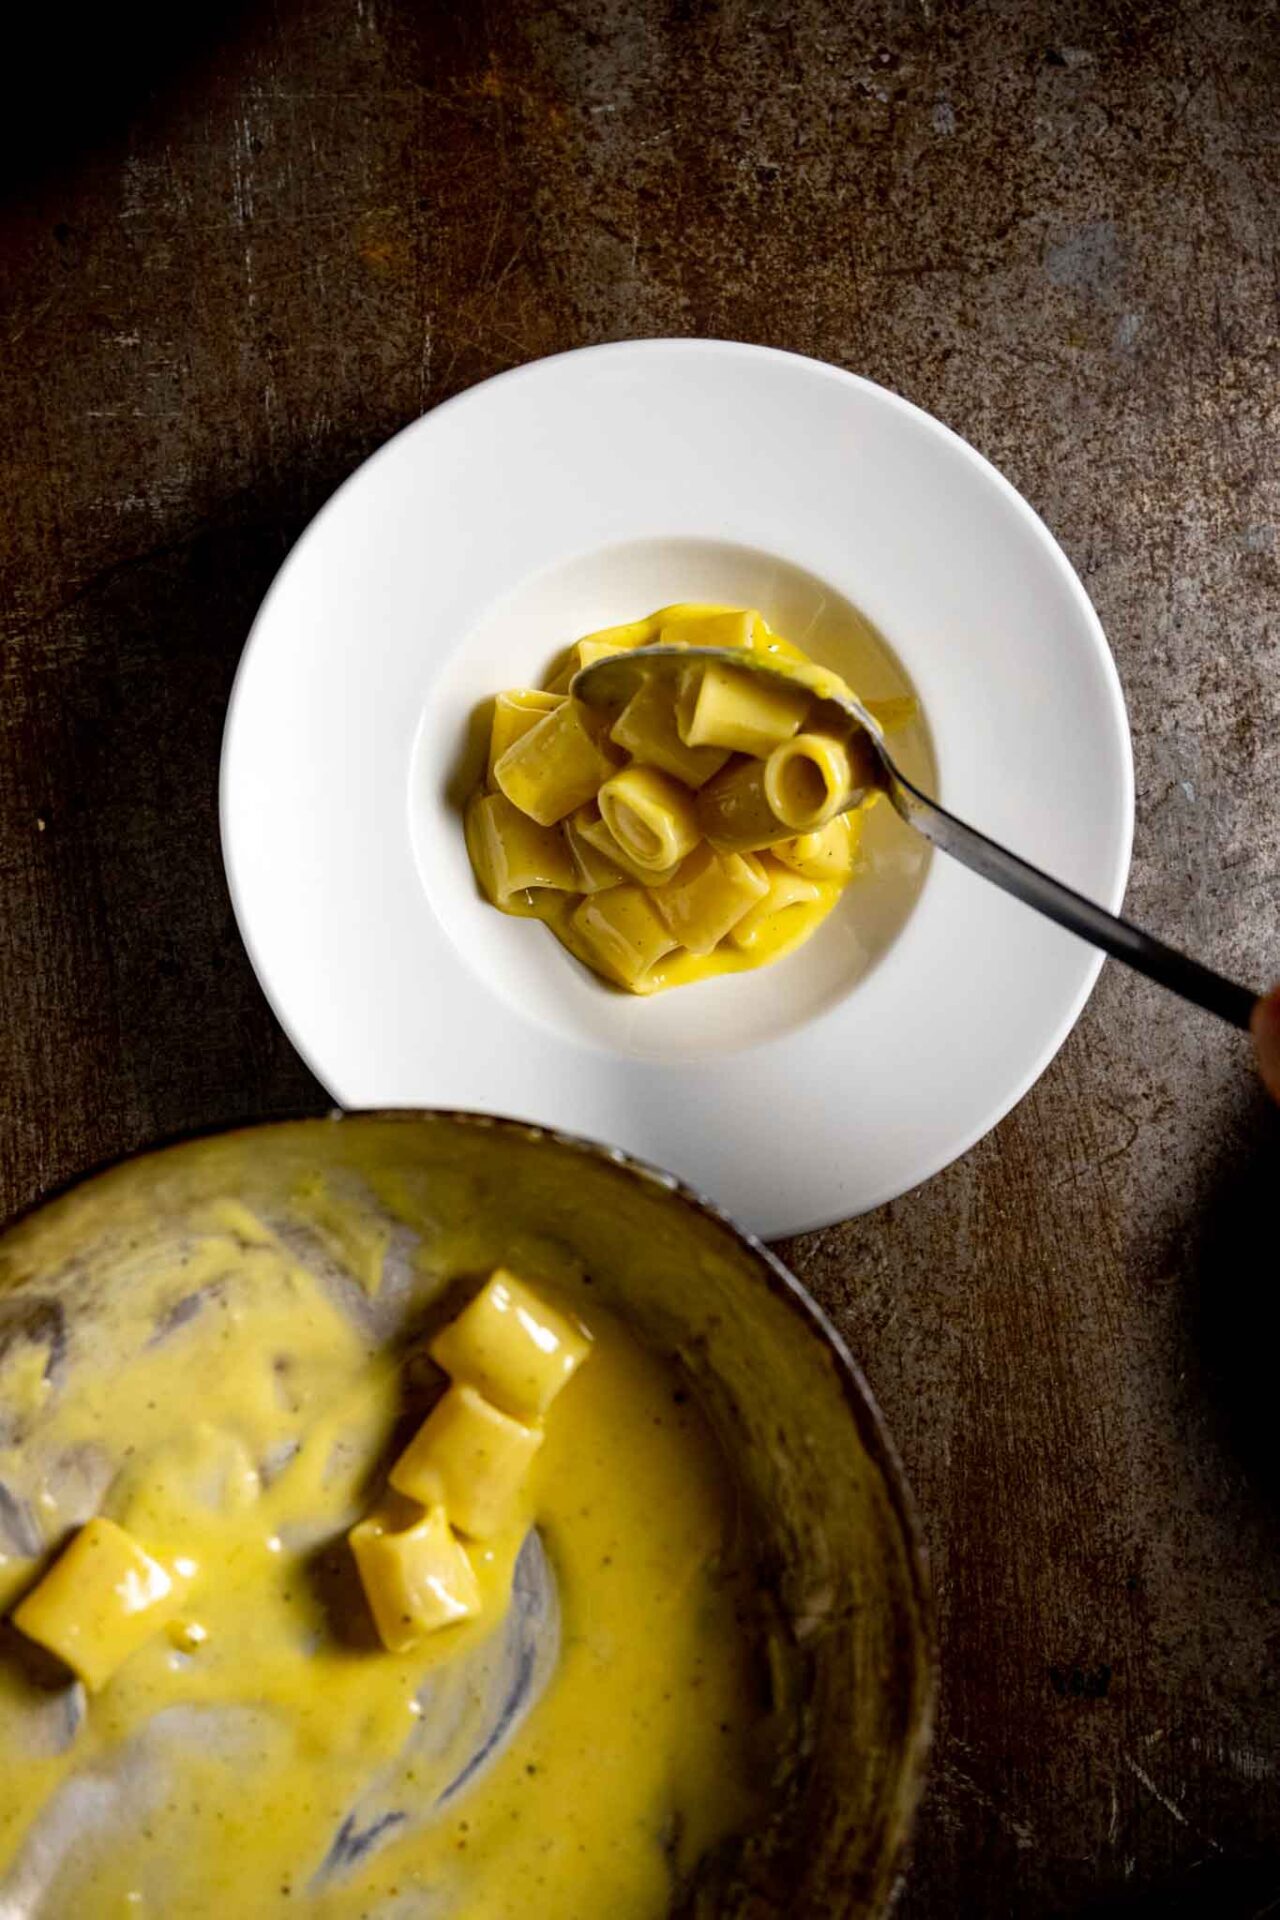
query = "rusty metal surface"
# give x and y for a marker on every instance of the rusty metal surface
(237, 257)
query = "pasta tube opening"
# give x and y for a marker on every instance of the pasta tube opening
(807, 781)
(650, 815)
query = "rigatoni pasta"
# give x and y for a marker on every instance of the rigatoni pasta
(808, 780)
(514, 713)
(597, 646)
(708, 897)
(702, 825)
(599, 835)
(623, 935)
(596, 866)
(647, 730)
(734, 811)
(720, 707)
(555, 766)
(651, 817)
(783, 890)
(512, 855)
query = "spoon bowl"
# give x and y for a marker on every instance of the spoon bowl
(609, 683)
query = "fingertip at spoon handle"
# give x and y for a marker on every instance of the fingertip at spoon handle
(1119, 938)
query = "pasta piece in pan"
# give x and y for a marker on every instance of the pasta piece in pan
(512, 1347)
(470, 1458)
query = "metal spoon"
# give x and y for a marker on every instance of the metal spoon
(611, 681)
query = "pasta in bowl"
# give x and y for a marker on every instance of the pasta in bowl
(701, 827)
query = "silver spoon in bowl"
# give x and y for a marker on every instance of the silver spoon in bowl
(609, 683)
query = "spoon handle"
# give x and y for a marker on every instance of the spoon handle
(1123, 941)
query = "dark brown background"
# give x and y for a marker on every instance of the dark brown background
(244, 247)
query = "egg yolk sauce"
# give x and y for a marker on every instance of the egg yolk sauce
(210, 1705)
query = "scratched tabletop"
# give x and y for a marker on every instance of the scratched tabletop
(242, 246)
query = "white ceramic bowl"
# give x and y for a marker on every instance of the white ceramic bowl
(591, 488)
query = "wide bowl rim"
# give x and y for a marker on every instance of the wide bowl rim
(855, 1390)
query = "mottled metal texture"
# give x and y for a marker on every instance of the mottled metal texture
(238, 257)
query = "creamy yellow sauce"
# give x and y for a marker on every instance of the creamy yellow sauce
(779, 932)
(263, 1755)
(784, 932)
